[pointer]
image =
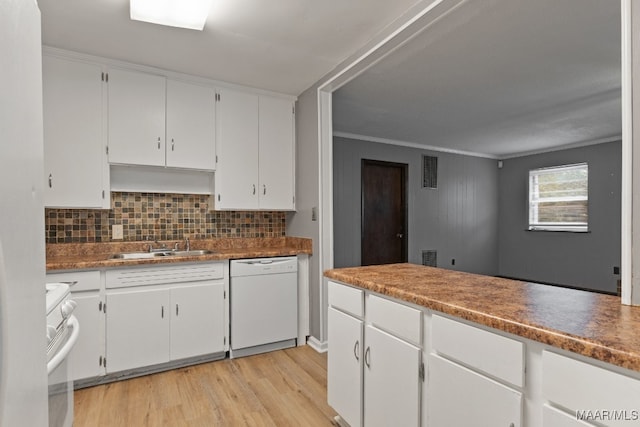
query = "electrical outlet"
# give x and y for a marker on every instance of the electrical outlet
(116, 232)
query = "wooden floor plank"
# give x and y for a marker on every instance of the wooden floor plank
(282, 388)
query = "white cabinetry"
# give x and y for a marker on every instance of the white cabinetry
(375, 381)
(191, 121)
(255, 146)
(155, 121)
(88, 354)
(73, 129)
(603, 396)
(467, 369)
(161, 314)
(136, 118)
(137, 329)
(458, 396)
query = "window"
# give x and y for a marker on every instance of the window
(558, 198)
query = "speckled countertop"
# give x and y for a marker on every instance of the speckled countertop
(590, 324)
(80, 256)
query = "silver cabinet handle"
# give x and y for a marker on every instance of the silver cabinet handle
(264, 189)
(399, 235)
(366, 357)
(356, 350)
(162, 312)
(158, 143)
(177, 309)
(50, 181)
(172, 144)
(254, 189)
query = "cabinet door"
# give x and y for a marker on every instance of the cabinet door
(458, 396)
(277, 164)
(137, 329)
(391, 381)
(136, 118)
(344, 366)
(73, 120)
(88, 352)
(197, 323)
(191, 123)
(236, 178)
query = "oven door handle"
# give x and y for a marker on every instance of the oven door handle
(64, 351)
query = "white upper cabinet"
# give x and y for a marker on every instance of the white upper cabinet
(276, 166)
(236, 180)
(136, 118)
(191, 119)
(73, 130)
(255, 147)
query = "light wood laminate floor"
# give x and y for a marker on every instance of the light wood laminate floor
(281, 388)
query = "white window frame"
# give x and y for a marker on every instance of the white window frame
(534, 200)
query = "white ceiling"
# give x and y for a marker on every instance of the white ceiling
(496, 77)
(282, 45)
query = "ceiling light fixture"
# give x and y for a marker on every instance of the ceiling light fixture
(190, 14)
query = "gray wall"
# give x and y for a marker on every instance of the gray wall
(307, 197)
(575, 259)
(459, 219)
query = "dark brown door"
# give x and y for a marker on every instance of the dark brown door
(384, 212)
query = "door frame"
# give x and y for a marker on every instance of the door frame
(405, 206)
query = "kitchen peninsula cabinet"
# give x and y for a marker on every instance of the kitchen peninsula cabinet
(255, 146)
(376, 379)
(75, 164)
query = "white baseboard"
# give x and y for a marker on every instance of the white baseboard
(320, 347)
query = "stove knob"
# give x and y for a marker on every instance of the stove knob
(67, 308)
(51, 333)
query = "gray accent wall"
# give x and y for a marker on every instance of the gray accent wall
(584, 260)
(459, 219)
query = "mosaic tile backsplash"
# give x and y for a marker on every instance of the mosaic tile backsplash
(159, 217)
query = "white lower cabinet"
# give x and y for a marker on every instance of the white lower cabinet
(552, 417)
(374, 371)
(458, 396)
(158, 314)
(344, 364)
(86, 290)
(137, 329)
(391, 380)
(197, 320)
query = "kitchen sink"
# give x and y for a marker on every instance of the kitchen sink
(189, 253)
(159, 254)
(139, 255)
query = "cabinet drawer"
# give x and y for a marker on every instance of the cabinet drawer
(347, 299)
(395, 318)
(85, 280)
(577, 385)
(552, 417)
(485, 351)
(160, 275)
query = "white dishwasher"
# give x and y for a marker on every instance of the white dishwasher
(264, 305)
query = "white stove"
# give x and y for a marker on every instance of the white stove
(62, 334)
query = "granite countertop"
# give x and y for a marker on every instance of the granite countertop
(80, 256)
(586, 323)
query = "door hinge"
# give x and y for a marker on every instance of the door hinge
(421, 371)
